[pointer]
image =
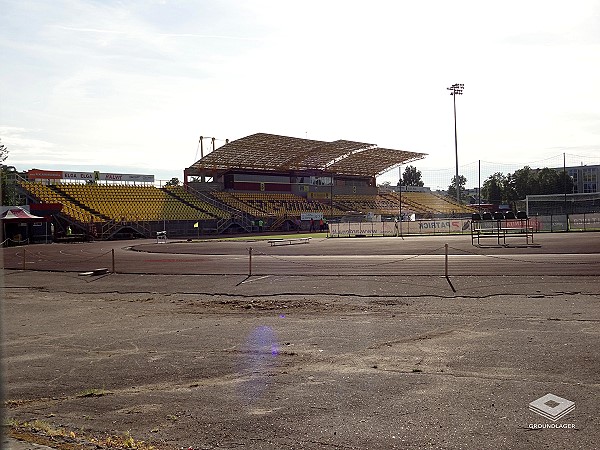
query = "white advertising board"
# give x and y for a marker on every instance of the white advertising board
(89, 176)
(395, 228)
(311, 215)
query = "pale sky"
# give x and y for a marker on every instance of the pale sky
(129, 86)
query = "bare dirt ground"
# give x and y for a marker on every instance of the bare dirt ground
(350, 344)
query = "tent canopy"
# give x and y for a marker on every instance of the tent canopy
(16, 213)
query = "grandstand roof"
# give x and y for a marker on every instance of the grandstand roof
(271, 152)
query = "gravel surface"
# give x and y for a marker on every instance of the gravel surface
(335, 359)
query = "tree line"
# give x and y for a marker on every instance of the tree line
(499, 188)
(505, 189)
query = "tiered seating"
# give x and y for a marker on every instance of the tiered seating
(131, 203)
(89, 203)
(45, 194)
(275, 204)
(454, 205)
(408, 205)
(180, 192)
(358, 203)
(234, 202)
(386, 203)
(436, 204)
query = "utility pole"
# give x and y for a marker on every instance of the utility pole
(203, 178)
(457, 89)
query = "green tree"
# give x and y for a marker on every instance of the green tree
(7, 184)
(566, 184)
(546, 181)
(411, 177)
(173, 182)
(493, 188)
(551, 181)
(511, 188)
(3, 152)
(523, 182)
(462, 181)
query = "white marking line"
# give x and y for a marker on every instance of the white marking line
(438, 256)
(81, 252)
(255, 279)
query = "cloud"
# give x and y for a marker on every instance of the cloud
(148, 35)
(136, 83)
(23, 148)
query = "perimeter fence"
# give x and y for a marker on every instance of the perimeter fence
(539, 223)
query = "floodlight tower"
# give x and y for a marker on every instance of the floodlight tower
(457, 89)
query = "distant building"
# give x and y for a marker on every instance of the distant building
(585, 178)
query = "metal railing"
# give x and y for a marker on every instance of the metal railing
(242, 218)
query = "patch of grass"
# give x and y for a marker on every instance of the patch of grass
(92, 393)
(16, 402)
(11, 422)
(123, 441)
(41, 432)
(40, 426)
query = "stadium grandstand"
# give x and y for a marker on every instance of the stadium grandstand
(278, 180)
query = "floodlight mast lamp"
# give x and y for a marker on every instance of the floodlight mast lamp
(457, 89)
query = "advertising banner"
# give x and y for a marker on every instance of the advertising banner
(126, 177)
(311, 215)
(443, 226)
(36, 174)
(589, 221)
(347, 229)
(549, 223)
(78, 175)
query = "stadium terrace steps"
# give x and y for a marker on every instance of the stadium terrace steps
(234, 202)
(44, 194)
(274, 204)
(132, 203)
(393, 198)
(412, 205)
(380, 204)
(91, 203)
(88, 204)
(456, 206)
(78, 203)
(191, 200)
(436, 203)
(428, 203)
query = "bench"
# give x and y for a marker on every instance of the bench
(291, 241)
(499, 230)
